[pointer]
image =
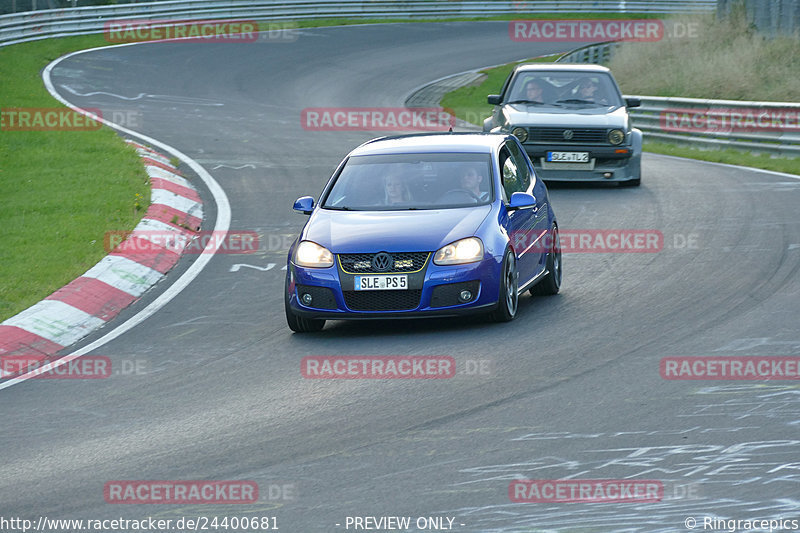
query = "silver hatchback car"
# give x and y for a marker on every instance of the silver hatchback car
(572, 121)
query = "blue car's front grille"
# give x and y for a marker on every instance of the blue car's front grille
(382, 300)
(402, 262)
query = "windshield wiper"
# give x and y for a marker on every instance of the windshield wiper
(575, 101)
(338, 208)
(533, 102)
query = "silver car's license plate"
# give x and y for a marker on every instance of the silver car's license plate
(381, 283)
(568, 157)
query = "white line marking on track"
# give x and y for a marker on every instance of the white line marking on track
(157, 97)
(95, 93)
(237, 266)
(221, 226)
(234, 168)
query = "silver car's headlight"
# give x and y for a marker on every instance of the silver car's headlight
(616, 136)
(520, 133)
(312, 255)
(466, 250)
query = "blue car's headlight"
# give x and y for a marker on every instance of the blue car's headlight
(466, 250)
(311, 254)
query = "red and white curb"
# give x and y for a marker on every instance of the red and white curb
(119, 279)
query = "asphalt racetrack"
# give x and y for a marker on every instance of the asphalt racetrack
(569, 390)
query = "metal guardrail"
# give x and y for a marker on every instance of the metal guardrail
(766, 127)
(33, 25)
(592, 53)
(771, 17)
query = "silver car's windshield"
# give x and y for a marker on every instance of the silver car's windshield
(564, 89)
(412, 181)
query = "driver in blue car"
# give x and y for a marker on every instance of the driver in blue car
(471, 179)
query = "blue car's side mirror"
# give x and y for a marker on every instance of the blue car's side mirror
(304, 204)
(521, 200)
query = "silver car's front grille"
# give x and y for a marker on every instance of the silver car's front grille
(567, 135)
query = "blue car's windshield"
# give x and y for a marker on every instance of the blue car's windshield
(412, 181)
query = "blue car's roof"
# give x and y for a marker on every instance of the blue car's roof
(431, 143)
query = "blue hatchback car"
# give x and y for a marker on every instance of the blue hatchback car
(420, 225)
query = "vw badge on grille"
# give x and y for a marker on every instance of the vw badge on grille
(382, 262)
(568, 134)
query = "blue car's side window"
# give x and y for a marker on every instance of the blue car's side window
(523, 172)
(508, 173)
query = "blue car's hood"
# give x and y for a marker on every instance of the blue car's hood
(392, 231)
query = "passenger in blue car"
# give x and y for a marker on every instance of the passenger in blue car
(396, 189)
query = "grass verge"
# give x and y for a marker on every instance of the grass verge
(60, 191)
(726, 60)
(728, 155)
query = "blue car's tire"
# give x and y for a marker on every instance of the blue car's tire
(551, 283)
(508, 297)
(297, 323)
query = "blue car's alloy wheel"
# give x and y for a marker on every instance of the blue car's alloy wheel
(551, 283)
(509, 285)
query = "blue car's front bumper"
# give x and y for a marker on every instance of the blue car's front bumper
(433, 291)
